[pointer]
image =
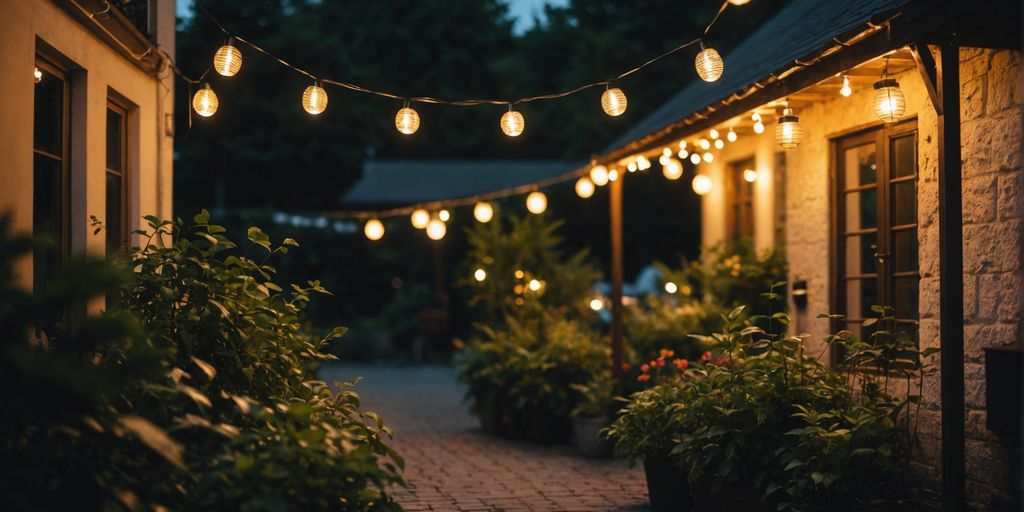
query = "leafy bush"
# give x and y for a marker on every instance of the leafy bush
(667, 323)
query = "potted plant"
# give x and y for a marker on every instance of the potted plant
(592, 415)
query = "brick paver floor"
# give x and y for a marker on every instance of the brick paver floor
(452, 465)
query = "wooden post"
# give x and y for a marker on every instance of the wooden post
(616, 226)
(951, 284)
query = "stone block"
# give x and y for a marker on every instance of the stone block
(989, 286)
(974, 385)
(928, 298)
(970, 298)
(1009, 203)
(972, 97)
(974, 62)
(1005, 86)
(980, 196)
(994, 247)
(978, 336)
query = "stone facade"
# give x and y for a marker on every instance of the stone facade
(992, 103)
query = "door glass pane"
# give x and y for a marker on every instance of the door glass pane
(904, 250)
(861, 294)
(904, 156)
(904, 203)
(905, 295)
(860, 254)
(113, 220)
(861, 209)
(114, 136)
(47, 219)
(860, 165)
(49, 114)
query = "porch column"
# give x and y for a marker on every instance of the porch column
(615, 197)
(951, 284)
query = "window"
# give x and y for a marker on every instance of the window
(875, 227)
(739, 196)
(116, 218)
(779, 190)
(50, 169)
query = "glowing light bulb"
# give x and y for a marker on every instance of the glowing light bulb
(758, 127)
(749, 175)
(708, 157)
(631, 167)
(444, 215)
(683, 153)
(719, 143)
(672, 170)
(584, 187)
(739, 2)
(788, 132)
(713, 134)
(37, 75)
(436, 229)
(613, 101)
(374, 229)
(483, 212)
(599, 175)
(407, 120)
(419, 218)
(701, 184)
(596, 304)
(314, 99)
(709, 65)
(694, 158)
(613, 174)
(889, 101)
(642, 163)
(512, 123)
(480, 274)
(534, 285)
(704, 144)
(205, 101)
(731, 136)
(536, 202)
(519, 274)
(671, 287)
(846, 90)
(228, 59)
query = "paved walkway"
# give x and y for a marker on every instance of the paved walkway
(452, 465)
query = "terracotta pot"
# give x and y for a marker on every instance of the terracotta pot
(588, 436)
(667, 487)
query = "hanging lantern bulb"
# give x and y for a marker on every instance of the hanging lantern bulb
(846, 90)
(480, 274)
(436, 229)
(708, 157)
(758, 127)
(642, 163)
(37, 75)
(749, 175)
(536, 202)
(731, 136)
(613, 174)
(419, 218)
(889, 101)
(631, 167)
(483, 212)
(788, 133)
(444, 215)
(719, 143)
(228, 59)
(205, 101)
(713, 134)
(739, 2)
(709, 64)
(407, 120)
(512, 123)
(599, 175)
(584, 187)
(672, 169)
(704, 144)
(314, 99)
(701, 184)
(683, 153)
(374, 229)
(666, 153)
(695, 158)
(613, 101)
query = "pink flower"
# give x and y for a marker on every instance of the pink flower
(706, 356)
(661, 363)
(682, 364)
(643, 377)
(645, 368)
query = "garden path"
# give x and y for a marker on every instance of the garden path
(451, 465)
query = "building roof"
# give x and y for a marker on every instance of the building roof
(404, 182)
(798, 30)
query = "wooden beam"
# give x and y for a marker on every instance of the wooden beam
(951, 282)
(929, 73)
(616, 237)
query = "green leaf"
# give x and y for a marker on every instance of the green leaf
(202, 218)
(155, 438)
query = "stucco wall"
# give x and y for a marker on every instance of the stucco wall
(99, 69)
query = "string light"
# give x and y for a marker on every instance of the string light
(682, 144)
(788, 133)
(374, 229)
(642, 163)
(519, 274)
(480, 274)
(846, 90)
(483, 212)
(534, 285)
(419, 218)
(512, 123)
(749, 175)
(584, 187)
(672, 169)
(314, 99)
(436, 229)
(713, 134)
(758, 124)
(613, 174)
(708, 157)
(701, 184)
(731, 136)
(631, 167)
(671, 287)
(407, 120)
(613, 101)
(444, 215)
(704, 144)
(596, 304)
(599, 175)
(709, 64)
(695, 158)
(739, 2)
(683, 153)
(536, 202)
(205, 101)
(37, 75)
(719, 143)
(228, 59)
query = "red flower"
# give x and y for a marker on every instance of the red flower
(645, 368)
(644, 377)
(625, 367)
(661, 363)
(706, 356)
(682, 364)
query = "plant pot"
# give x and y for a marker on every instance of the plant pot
(490, 419)
(588, 436)
(510, 423)
(667, 487)
(542, 427)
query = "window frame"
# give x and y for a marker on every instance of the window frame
(50, 66)
(735, 201)
(882, 135)
(125, 174)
